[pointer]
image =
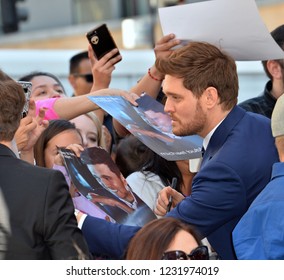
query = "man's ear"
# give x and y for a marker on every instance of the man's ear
(211, 97)
(274, 69)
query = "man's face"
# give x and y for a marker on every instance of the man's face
(160, 120)
(186, 112)
(81, 85)
(111, 180)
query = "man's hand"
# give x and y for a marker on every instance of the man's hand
(163, 200)
(30, 128)
(163, 47)
(76, 148)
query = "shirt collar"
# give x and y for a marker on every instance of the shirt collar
(209, 135)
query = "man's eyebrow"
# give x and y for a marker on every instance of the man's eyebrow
(106, 176)
(169, 93)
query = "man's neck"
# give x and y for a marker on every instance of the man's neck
(11, 145)
(214, 119)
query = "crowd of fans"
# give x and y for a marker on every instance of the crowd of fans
(225, 209)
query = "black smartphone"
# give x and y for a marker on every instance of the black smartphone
(27, 87)
(101, 41)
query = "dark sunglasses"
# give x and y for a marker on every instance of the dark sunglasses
(199, 253)
(88, 77)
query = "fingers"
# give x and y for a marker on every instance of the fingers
(41, 122)
(111, 57)
(30, 125)
(25, 121)
(163, 48)
(167, 42)
(32, 108)
(44, 124)
(76, 148)
(162, 201)
(166, 39)
(91, 55)
(108, 59)
(134, 96)
(107, 62)
(131, 97)
(41, 114)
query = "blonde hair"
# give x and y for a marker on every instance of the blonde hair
(99, 126)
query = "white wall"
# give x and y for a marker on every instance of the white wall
(46, 14)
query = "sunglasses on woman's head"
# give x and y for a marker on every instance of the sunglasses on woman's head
(199, 253)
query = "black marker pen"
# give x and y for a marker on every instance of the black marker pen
(173, 185)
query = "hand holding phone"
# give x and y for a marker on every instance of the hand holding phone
(27, 87)
(101, 41)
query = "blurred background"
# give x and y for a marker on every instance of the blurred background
(43, 35)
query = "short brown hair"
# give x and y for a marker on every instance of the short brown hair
(202, 65)
(12, 101)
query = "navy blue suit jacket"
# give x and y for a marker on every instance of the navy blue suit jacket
(236, 167)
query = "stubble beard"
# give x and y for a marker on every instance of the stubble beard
(193, 126)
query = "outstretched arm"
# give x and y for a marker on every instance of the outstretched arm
(151, 82)
(71, 107)
(106, 238)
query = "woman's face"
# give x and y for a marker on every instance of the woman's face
(61, 140)
(183, 241)
(44, 87)
(88, 130)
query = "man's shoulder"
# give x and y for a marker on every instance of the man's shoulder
(262, 104)
(252, 102)
(36, 171)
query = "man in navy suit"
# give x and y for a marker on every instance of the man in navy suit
(37, 214)
(201, 86)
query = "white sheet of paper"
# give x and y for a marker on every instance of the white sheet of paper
(235, 26)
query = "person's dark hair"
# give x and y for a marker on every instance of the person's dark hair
(12, 101)
(202, 65)
(165, 169)
(75, 61)
(54, 128)
(278, 35)
(30, 76)
(132, 155)
(152, 240)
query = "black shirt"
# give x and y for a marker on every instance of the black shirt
(263, 104)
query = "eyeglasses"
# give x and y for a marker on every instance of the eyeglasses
(88, 77)
(199, 253)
